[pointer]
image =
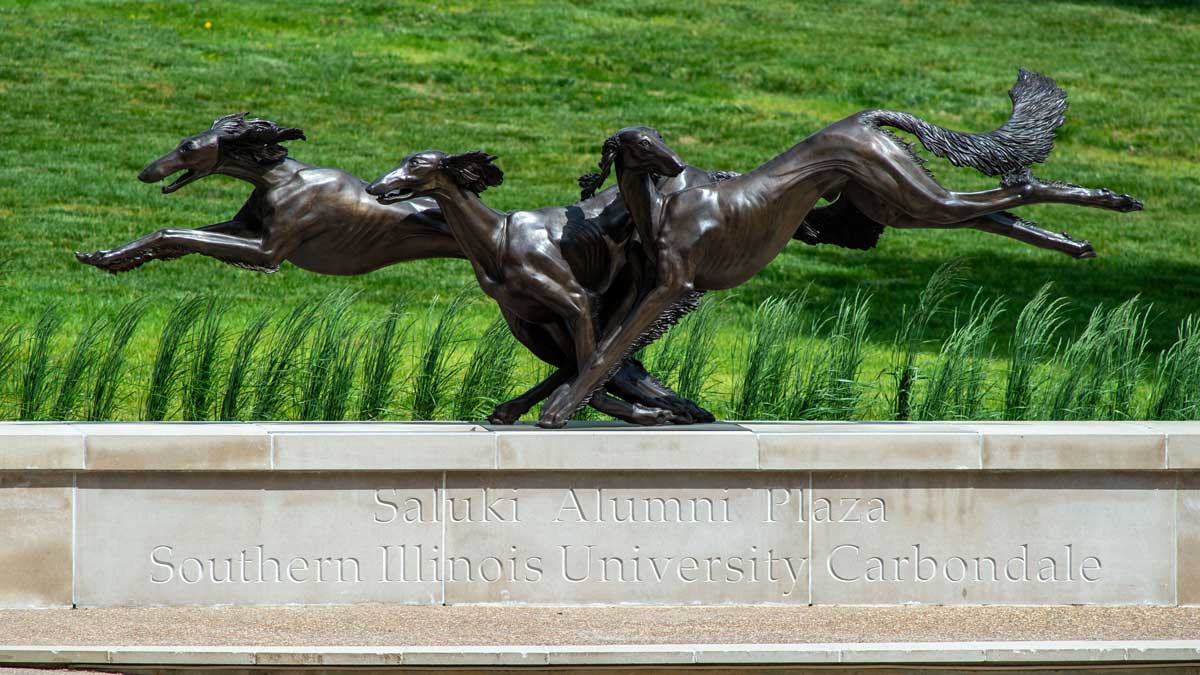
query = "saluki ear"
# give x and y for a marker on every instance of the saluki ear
(473, 170)
(290, 134)
(229, 122)
(590, 182)
(257, 140)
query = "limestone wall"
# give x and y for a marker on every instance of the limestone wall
(973, 513)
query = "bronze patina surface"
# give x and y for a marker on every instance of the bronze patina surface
(322, 220)
(585, 285)
(718, 236)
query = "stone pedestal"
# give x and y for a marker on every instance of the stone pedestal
(102, 515)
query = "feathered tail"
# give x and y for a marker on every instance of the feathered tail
(1039, 106)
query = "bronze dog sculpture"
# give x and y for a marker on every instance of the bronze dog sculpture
(553, 267)
(322, 220)
(317, 218)
(720, 235)
(566, 269)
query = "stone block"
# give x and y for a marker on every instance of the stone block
(767, 654)
(1183, 443)
(883, 446)
(189, 656)
(627, 538)
(628, 655)
(37, 446)
(1068, 446)
(912, 652)
(35, 539)
(1188, 524)
(489, 657)
(1055, 652)
(611, 447)
(381, 447)
(256, 539)
(176, 447)
(51, 655)
(993, 538)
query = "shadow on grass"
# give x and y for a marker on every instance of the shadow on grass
(894, 280)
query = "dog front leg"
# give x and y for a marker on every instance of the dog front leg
(232, 242)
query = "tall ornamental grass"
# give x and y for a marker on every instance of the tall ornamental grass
(241, 364)
(109, 370)
(1031, 345)
(278, 359)
(35, 375)
(957, 381)
(685, 358)
(378, 388)
(200, 370)
(325, 359)
(324, 384)
(911, 337)
(767, 360)
(1096, 375)
(10, 348)
(1175, 393)
(76, 369)
(168, 364)
(434, 367)
(825, 381)
(490, 373)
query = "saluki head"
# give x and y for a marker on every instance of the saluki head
(232, 138)
(432, 170)
(639, 149)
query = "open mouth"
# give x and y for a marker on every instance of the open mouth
(187, 177)
(393, 196)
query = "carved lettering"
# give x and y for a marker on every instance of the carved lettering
(237, 570)
(598, 506)
(847, 564)
(678, 537)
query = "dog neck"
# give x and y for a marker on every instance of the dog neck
(261, 176)
(479, 229)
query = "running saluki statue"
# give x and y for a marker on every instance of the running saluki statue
(720, 235)
(322, 220)
(585, 285)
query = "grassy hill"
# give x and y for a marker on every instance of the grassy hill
(90, 92)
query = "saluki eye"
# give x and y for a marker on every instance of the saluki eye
(644, 143)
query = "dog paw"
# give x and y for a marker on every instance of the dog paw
(1127, 203)
(557, 411)
(651, 417)
(95, 258)
(505, 413)
(1121, 202)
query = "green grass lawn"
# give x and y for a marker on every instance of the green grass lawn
(90, 92)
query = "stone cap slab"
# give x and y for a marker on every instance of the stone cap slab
(1183, 443)
(172, 446)
(615, 446)
(599, 446)
(1061, 653)
(381, 446)
(33, 446)
(1118, 446)
(848, 446)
